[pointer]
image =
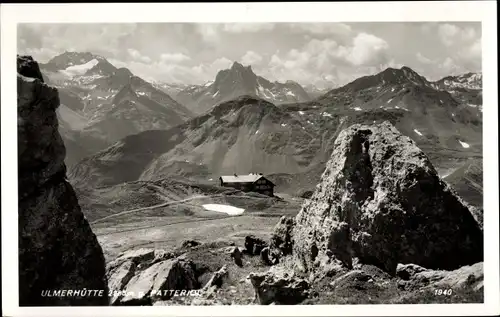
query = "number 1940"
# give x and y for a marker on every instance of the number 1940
(446, 292)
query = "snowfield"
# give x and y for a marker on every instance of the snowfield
(464, 145)
(81, 69)
(230, 210)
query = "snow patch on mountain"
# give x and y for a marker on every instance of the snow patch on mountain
(81, 69)
(464, 144)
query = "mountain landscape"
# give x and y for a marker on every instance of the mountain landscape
(237, 81)
(387, 157)
(101, 104)
(292, 140)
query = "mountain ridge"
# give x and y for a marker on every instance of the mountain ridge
(239, 80)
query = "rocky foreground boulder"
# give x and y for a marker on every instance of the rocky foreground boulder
(57, 249)
(144, 276)
(380, 200)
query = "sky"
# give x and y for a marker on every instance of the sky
(323, 54)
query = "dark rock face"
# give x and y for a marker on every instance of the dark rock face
(237, 256)
(254, 245)
(381, 200)
(27, 67)
(57, 248)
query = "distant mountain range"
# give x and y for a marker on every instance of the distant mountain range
(238, 81)
(118, 127)
(293, 140)
(100, 104)
(466, 88)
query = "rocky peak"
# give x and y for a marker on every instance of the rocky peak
(380, 200)
(468, 81)
(239, 67)
(103, 67)
(66, 59)
(57, 248)
(238, 77)
(404, 75)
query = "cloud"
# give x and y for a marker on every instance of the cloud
(251, 58)
(304, 52)
(474, 51)
(42, 55)
(318, 60)
(208, 71)
(174, 57)
(247, 27)
(448, 33)
(422, 59)
(320, 28)
(449, 66)
(428, 27)
(368, 49)
(451, 34)
(162, 70)
(209, 32)
(137, 56)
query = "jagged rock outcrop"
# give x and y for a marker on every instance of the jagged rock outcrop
(237, 256)
(254, 245)
(145, 276)
(281, 238)
(414, 277)
(381, 200)
(279, 287)
(57, 248)
(215, 282)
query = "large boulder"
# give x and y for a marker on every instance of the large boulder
(156, 282)
(381, 200)
(279, 287)
(467, 277)
(57, 249)
(281, 238)
(254, 245)
(146, 276)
